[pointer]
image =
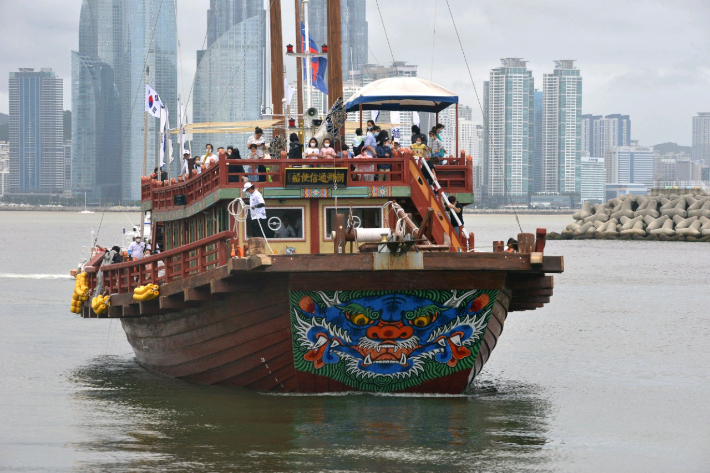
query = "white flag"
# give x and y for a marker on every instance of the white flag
(153, 105)
(394, 120)
(415, 118)
(288, 92)
(166, 143)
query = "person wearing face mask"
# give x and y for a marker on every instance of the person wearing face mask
(327, 151)
(312, 151)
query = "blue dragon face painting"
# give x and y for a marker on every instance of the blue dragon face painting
(388, 340)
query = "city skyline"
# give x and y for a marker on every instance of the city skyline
(660, 84)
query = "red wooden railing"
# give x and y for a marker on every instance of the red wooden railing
(454, 177)
(169, 266)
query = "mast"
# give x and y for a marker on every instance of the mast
(335, 58)
(277, 62)
(145, 138)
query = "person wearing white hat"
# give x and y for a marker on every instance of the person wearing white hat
(257, 210)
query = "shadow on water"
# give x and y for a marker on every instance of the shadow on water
(131, 418)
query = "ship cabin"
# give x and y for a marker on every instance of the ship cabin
(307, 199)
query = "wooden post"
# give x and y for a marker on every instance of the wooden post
(277, 64)
(526, 242)
(339, 240)
(335, 53)
(498, 247)
(541, 236)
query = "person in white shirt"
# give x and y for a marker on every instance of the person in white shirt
(257, 210)
(209, 158)
(136, 248)
(258, 139)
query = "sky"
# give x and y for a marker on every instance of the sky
(648, 59)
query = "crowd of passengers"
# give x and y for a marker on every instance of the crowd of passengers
(372, 144)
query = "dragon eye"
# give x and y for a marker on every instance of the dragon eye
(359, 319)
(423, 320)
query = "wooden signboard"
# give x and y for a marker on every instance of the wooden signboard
(310, 177)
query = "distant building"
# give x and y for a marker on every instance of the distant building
(229, 82)
(630, 165)
(36, 132)
(537, 150)
(701, 137)
(96, 128)
(371, 72)
(614, 190)
(509, 96)
(67, 169)
(599, 134)
(4, 166)
(593, 180)
(353, 31)
(562, 130)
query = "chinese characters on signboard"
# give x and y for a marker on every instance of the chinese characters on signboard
(308, 177)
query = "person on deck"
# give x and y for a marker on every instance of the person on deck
(512, 246)
(358, 141)
(455, 210)
(327, 151)
(234, 170)
(136, 248)
(312, 152)
(418, 148)
(437, 147)
(370, 144)
(251, 170)
(286, 230)
(221, 154)
(257, 210)
(295, 148)
(383, 151)
(208, 159)
(417, 132)
(258, 139)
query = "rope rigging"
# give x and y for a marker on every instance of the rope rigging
(478, 99)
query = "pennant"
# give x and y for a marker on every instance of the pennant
(153, 105)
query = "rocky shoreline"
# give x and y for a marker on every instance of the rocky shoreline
(630, 217)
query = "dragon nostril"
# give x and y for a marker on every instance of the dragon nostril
(388, 333)
(374, 335)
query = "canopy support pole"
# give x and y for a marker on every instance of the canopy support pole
(361, 116)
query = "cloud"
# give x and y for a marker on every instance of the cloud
(648, 59)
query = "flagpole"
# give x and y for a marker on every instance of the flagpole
(309, 71)
(157, 157)
(145, 129)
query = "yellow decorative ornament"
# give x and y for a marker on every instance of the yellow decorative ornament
(146, 293)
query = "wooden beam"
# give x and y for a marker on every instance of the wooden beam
(131, 310)
(151, 307)
(197, 295)
(175, 302)
(532, 292)
(514, 281)
(521, 307)
(335, 54)
(525, 299)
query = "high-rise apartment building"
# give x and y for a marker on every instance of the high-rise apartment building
(537, 146)
(353, 22)
(509, 97)
(96, 117)
(229, 83)
(701, 137)
(562, 130)
(36, 132)
(4, 166)
(600, 134)
(158, 50)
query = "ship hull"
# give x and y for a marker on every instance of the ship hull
(293, 333)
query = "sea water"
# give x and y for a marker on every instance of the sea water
(612, 375)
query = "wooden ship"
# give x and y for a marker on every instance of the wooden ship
(363, 286)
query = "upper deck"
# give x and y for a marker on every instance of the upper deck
(222, 181)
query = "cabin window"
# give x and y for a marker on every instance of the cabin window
(364, 217)
(291, 223)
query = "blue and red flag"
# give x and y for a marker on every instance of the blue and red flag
(318, 64)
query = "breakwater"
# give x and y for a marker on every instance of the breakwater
(667, 218)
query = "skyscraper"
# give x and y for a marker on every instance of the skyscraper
(149, 37)
(588, 122)
(353, 24)
(509, 106)
(630, 165)
(701, 137)
(593, 180)
(229, 83)
(562, 130)
(96, 121)
(599, 134)
(537, 152)
(36, 132)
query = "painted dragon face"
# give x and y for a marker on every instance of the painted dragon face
(389, 334)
